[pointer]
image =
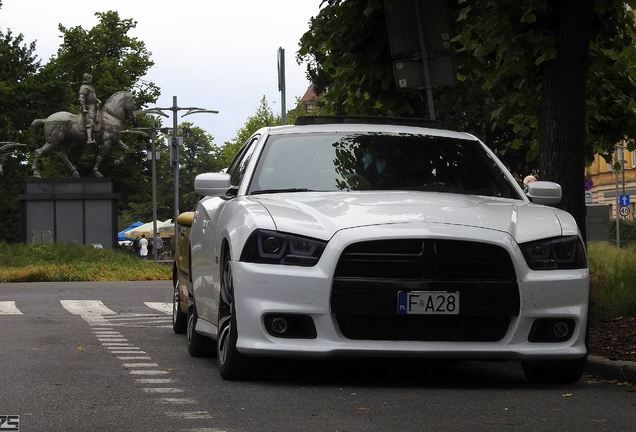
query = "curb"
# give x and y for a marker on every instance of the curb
(622, 371)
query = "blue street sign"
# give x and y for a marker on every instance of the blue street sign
(589, 184)
(623, 200)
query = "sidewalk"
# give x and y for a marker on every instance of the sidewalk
(621, 371)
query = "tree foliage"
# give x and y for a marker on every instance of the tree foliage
(544, 77)
(198, 154)
(20, 88)
(30, 90)
(263, 117)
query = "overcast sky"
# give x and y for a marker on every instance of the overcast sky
(212, 54)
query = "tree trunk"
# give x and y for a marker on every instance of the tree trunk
(562, 118)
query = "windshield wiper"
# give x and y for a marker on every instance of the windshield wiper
(267, 191)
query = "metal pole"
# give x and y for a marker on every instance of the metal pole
(427, 76)
(175, 143)
(281, 84)
(153, 135)
(618, 214)
(175, 109)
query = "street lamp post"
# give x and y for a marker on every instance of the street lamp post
(153, 138)
(175, 144)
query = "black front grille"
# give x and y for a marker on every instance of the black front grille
(425, 259)
(370, 275)
(423, 328)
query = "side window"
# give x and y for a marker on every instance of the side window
(239, 164)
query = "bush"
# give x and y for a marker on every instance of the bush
(627, 231)
(57, 262)
(612, 272)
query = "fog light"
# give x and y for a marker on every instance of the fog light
(560, 329)
(279, 325)
(551, 330)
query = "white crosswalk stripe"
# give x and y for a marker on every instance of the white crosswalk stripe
(9, 308)
(92, 311)
(96, 313)
(109, 330)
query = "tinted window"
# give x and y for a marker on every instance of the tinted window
(239, 164)
(331, 162)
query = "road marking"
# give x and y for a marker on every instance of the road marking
(190, 415)
(147, 372)
(161, 307)
(92, 311)
(206, 430)
(155, 380)
(141, 365)
(176, 401)
(9, 308)
(163, 390)
(134, 358)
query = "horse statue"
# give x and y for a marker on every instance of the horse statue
(64, 128)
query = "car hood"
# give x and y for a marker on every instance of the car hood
(321, 215)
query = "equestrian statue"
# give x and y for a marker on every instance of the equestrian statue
(102, 126)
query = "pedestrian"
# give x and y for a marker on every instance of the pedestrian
(158, 245)
(143, 247)
(135, 245)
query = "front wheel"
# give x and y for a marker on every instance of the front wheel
(554, 371)
(179, 319)
(233, 365)
(198, 345)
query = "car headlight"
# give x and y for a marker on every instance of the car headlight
(553, 254)
(272, 247)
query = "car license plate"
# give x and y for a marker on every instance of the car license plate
(428, 303)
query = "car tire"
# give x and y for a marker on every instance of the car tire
(179, 318)
(198, 345)
(554, 371)
(233, 366)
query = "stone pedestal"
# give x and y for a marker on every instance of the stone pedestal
(70, 211)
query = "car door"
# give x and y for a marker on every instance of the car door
(207, 238)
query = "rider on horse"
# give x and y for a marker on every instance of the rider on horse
(89, 103)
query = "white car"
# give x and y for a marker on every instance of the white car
(348, 238)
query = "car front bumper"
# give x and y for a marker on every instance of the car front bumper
(263, 291)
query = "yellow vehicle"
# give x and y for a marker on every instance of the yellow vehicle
(181, 273)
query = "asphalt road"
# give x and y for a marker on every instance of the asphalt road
(66, 365)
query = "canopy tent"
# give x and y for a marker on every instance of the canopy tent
(166, 229)
(121, 236)
(146, 229)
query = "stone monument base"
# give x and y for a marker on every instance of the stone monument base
(70, 211)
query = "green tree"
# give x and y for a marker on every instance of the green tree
(525, 63)
(263, 117)
(198, 155)
(23, 94)
(29, 90)
(117, 62)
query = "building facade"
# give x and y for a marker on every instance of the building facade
(604, 182)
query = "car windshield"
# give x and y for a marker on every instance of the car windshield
(376, 161)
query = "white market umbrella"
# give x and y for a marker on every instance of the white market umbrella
(166, 229)
(146, 229)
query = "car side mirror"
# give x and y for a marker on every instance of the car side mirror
(212, 184)
(543, 192)
(185, 219)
